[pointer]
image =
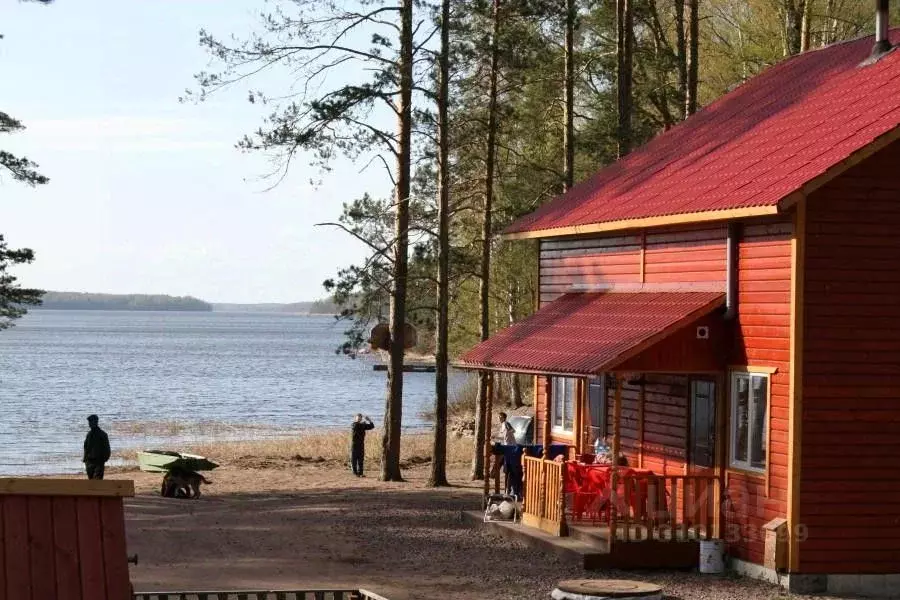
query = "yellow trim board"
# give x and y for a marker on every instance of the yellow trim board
(752, 369)
(681, 219)
(13, 486)
(795, 395)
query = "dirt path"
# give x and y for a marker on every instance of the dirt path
(314, 526)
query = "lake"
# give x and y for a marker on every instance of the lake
(172, 378)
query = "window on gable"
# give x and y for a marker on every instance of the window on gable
(564, 389)
(749, 425)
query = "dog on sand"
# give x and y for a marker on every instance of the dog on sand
(182, 484)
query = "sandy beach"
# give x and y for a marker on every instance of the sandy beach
(288, 521)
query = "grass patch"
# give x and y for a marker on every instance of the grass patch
(325, 446)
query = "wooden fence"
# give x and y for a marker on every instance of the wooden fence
(544, 503)
(262, 595)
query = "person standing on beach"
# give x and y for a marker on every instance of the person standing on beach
(96, 449)
(358, 443)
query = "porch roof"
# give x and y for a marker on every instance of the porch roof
(590, 333)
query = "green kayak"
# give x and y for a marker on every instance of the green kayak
(160, 461)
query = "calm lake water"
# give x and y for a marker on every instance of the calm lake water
(171, 378)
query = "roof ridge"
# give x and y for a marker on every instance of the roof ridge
(743, 152)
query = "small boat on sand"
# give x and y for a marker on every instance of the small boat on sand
(161, 461)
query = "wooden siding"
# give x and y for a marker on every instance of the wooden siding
(683, 352)
(762, 339)
(660, 441)
(595, 261)
(62, 547)
(670, 255)
(849, 492)
(686, 256)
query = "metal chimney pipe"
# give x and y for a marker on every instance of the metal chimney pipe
(882, 27)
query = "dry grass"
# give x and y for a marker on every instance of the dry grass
(326, 446)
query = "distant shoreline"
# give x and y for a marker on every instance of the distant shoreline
(54, 300)
(130, 302)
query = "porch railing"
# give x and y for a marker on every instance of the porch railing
(544, 502)
(669, 508)
(261, 595)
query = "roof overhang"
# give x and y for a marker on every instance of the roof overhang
(645, 222)
(589, 333)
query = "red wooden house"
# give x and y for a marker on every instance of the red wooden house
(724, 304)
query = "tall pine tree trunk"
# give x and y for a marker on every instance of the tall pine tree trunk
(805, 25)
(624, 70)
(569, 131)
(693, 61)
(829, 30)
(481, 433)
(439, 453)
(393, 412)
(515, 384)
(681, 41)
(793, 14)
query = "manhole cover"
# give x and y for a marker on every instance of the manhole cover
(597, 589)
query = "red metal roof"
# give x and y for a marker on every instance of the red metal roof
(588, 333)
(751, 148)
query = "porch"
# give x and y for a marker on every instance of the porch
(636, 520)
(644, 372)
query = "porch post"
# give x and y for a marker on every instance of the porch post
(616, 445)
(577, 420)
(548, 414)
(489, 402)
(641, 400)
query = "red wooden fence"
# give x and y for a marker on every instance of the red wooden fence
(63, 539)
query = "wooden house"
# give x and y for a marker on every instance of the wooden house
(724, 305)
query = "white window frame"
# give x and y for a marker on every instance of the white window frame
(563, 386)
(747, 463)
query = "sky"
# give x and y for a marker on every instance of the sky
(149, 195)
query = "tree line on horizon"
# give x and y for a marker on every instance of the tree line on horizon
(90, 301)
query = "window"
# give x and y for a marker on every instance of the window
(749, 427)
(563, 403)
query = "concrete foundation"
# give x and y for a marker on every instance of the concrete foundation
(840, 584)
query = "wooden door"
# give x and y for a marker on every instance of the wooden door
(702, 443)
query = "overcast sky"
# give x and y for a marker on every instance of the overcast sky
(148, 195)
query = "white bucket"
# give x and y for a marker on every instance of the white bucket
(712, 553)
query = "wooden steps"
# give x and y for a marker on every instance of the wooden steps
(588, 546)
(570, 549)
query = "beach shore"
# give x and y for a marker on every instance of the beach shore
(288, 514)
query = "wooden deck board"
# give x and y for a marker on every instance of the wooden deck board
(588, 546)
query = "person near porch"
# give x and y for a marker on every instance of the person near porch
(507, 432)
(96, 449)
(358, 442)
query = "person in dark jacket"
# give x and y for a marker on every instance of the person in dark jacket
(358, 443)
(96, 449)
